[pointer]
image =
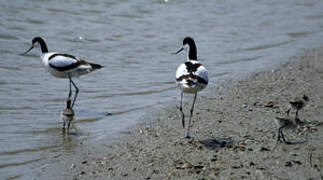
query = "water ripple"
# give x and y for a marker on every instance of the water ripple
(8, 37)
(59, 10)
(267, 46)
(19, 163)
(44, 148)
(233, 61)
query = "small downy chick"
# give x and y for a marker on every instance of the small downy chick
(298, 104)
(286, 123)
(67, 114)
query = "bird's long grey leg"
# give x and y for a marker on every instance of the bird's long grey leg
(63, 128)
(189, 122)
(283, 137)
(76, 92)
(68, 127)
(288, 111)
(181, 109)
(70, 93)
(279, 133)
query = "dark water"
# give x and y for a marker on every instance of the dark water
(133, 40)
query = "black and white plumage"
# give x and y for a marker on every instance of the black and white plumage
(191, 77)
(63, 65)
(67, 114)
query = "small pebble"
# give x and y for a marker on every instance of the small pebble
(242, 148)
(297, 162)
(264, 149)
(155, 171)
(214, 159)
(294, 154)
(270, 104)
(237, 166)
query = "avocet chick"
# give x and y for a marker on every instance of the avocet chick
(286, 123)
(67, 114)
(298, 104)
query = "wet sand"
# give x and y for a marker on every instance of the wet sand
(240, 112)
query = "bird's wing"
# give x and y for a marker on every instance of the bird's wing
(192, 72)
(202, 73)
(63, 62)
(181, 70)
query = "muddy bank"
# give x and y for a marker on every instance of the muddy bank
(242, 113)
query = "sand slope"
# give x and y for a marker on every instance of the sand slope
(243, 112)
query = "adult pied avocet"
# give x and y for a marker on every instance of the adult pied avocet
(63, 65)
(191, 77)
(298, 104)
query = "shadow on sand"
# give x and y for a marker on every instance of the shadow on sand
(215, 143)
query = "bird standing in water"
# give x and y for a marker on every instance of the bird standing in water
(191, 77)
(63, 65)
(67, 114)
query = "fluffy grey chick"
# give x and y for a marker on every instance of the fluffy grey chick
(67, 114)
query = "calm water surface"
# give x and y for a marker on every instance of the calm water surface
(133, 40)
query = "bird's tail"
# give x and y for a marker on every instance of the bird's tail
(95, 66)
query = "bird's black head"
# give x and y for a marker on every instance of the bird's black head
(41, 42)
(37, 39)
(189, 41)
(190, 47)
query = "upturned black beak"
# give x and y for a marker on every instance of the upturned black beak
(27, 50)
(179, 51)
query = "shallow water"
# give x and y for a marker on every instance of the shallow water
(134, 41)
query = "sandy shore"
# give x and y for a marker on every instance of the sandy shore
(242, 113)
